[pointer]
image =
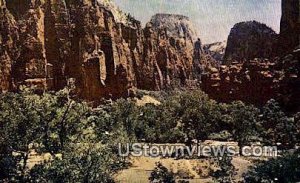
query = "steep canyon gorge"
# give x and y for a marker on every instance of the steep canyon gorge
(260, 64)
(51, 44)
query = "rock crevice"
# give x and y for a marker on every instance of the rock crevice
(54, 42)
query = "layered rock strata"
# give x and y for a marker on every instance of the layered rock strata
(50, 44)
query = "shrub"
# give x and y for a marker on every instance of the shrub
(282, 169)
(80, 163)
(277, 126)
(52, 123)
(245, 123)
(161, 175)
(226, 171)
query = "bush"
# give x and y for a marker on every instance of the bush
(226, 170)
(277, 126)
(161, 175)
(197, 114)
(53, 123)
(282, 169)
(80, 163)
(245, 123)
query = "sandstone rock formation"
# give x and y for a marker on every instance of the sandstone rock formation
(253, 73)
(8, 48)
(255, 82)
(249, 40)
(216, 50)
(168, 52)
(290, 26)
(91, 43)
(51, 44)
(175, 26)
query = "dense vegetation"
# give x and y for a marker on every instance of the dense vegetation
(83, 141)
(283, 169)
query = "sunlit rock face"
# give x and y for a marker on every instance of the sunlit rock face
(216, 50)
(168, 51)
(104, 52)
(177, 26)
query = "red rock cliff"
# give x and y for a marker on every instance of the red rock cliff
(289, 26)
(52, 43)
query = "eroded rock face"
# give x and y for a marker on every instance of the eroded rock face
(168, 52)
(253, 73)
(289, 26)
(50, 43)
(8, 48)
(252, 78)
(255, 82)
(216, 50)
(177, 26)
(250, 40)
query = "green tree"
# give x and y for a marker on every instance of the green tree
(281, 169)
(277, 126)
(245, 123)
(199, 115)
(161, 175)
(18, 130)
(123, 113)
(84, 162)
(226, 170)
(61, 120)
(297, 122)
(53, 123)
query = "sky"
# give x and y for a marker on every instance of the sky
(213, 19)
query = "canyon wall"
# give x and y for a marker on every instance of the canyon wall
(92, 45)
(216, 50)
(289, 26)
(258, 65)
(250, 40)
(51, 44)
(8, 48)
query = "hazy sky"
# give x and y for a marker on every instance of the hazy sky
(212, 18)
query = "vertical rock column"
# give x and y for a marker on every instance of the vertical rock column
(88, 65)
(30, 68)
(8, 48)
(290, 26)
(57, 40)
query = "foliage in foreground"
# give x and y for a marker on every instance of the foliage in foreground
(55, 124)
(226, 171)
(86, 139)
(282, 169)
(161, 174)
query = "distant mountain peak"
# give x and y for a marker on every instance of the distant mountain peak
(175, 25)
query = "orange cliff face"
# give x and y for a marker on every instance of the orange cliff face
(105, 53)
(49, 43)
(8, 47)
